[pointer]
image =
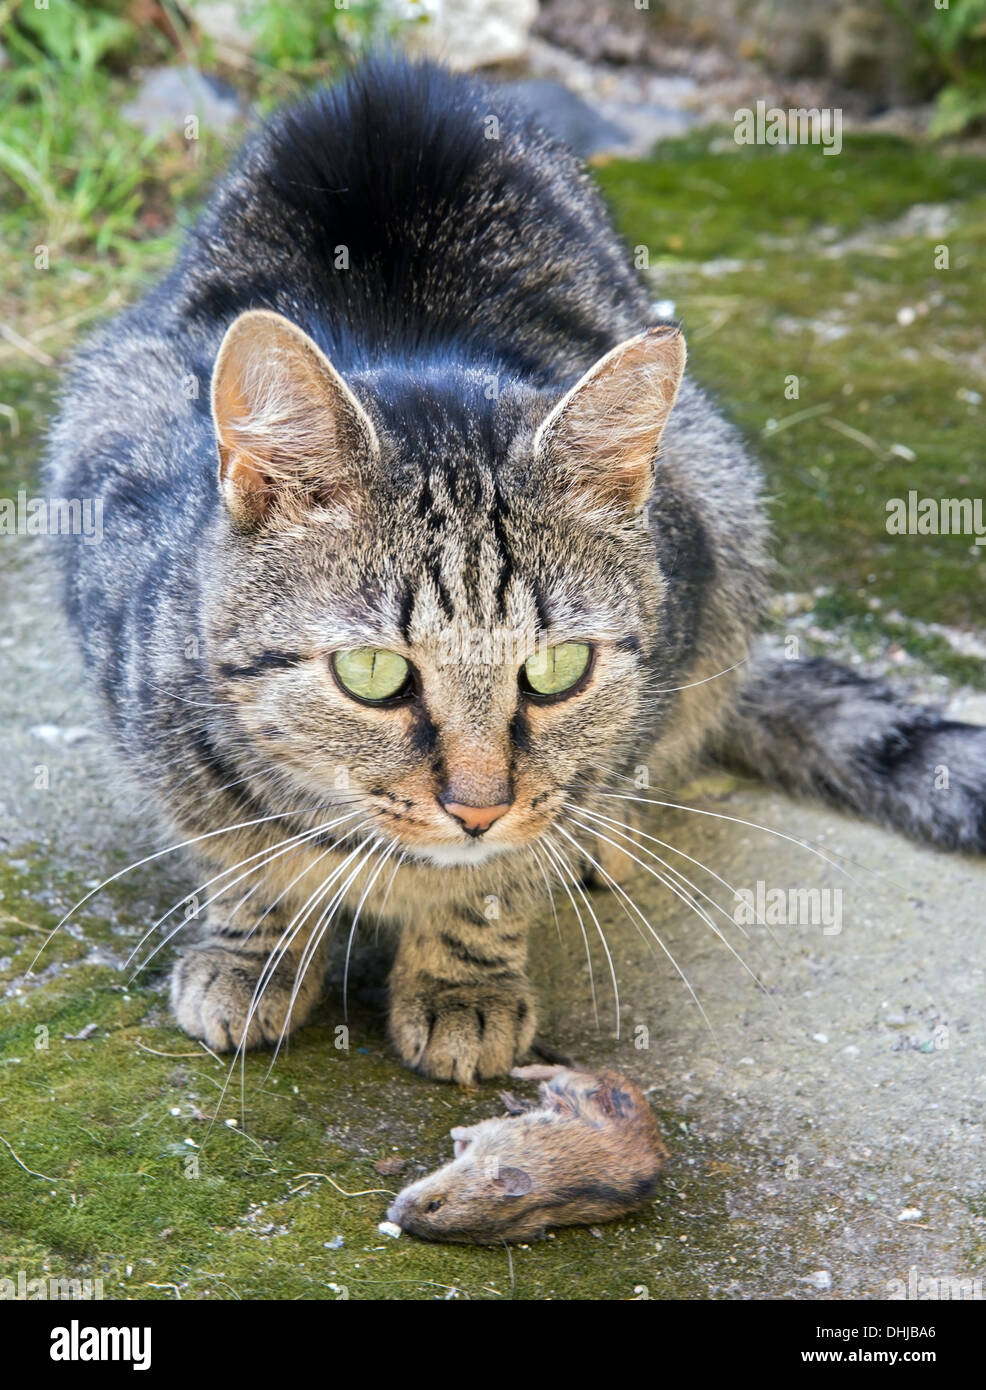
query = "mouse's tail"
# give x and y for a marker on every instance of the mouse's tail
(819, 730)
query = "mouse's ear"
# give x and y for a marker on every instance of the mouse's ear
(514, 1105)
(611, 1098)
(462, 1137)
(512, 1182)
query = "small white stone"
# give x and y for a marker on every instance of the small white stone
(389, 1228)
(819, 1279)
(906, 316)
(47, 733)
(819, 1037)
(911, 1214)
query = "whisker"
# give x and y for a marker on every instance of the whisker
(689, 902)
(267, 856)
(736, 820)
(547, 884)
(585, 938)
(199, 704)
(841, 854)
(352, 934)
(318, 932)
(171, 849)
(602, 936)
(390, 884)
(270, 966)
(622, 892)
(620, 828)
(669, 689)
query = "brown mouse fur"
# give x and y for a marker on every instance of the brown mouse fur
(589, 1150)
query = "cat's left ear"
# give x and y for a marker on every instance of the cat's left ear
(288, 427)
(599, 443)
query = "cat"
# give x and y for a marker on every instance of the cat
(417, 536)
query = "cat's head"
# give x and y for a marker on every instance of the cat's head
(436, 595)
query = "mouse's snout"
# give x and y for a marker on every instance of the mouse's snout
(416, 1210)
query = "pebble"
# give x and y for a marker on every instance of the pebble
(167, 97)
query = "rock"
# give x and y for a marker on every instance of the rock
(167, 97)
(47, 733)
(566, 116)
(468, 34)
(225, 23)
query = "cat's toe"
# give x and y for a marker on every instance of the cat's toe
(215, 996)
(466, 1035)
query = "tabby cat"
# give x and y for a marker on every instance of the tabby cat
(416, 538)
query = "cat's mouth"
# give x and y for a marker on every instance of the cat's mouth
(467, 855)
(435, 840)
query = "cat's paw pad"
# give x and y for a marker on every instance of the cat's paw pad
(464, 1034)
(213, 998)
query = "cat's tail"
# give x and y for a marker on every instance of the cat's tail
(820, 730)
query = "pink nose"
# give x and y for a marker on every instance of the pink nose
(476, 819)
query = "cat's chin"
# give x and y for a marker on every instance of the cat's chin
(468, 856)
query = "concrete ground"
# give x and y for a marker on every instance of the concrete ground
(826, 1124)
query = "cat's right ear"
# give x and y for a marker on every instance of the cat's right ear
(288, 427)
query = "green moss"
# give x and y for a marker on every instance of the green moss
(121, 1197)
(868, 628)
(884, 403)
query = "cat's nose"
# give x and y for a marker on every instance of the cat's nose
(476, 820)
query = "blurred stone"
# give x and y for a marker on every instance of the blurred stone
(864, 48)
(468, 33)
(567, 117)
(225, 23)
(168, 96)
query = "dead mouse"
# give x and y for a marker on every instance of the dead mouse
(588, 1150)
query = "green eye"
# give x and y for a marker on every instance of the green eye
(553, 670)
(371, 674)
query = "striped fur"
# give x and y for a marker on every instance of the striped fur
(445, 291)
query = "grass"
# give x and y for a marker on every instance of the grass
(821, 280)
(121, 1161)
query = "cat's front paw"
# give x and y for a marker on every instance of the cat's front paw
(463, 1032)
(213, 998)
